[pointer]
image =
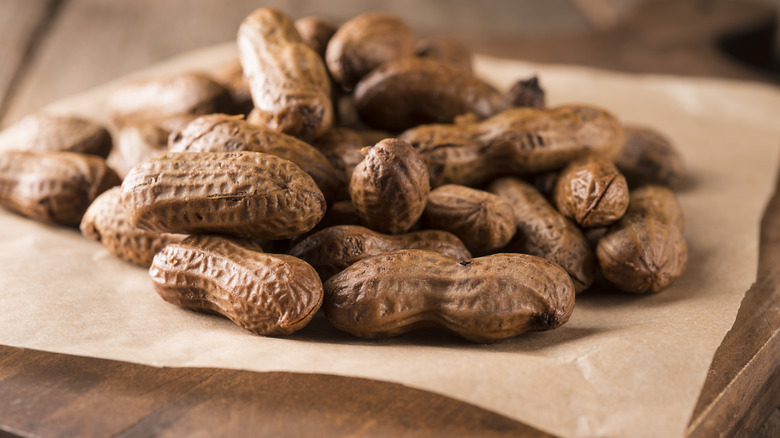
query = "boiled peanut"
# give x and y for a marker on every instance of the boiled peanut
(407, 92)
(333, 249)
(389, 188)
(223, 133)
(289, 84)
(483, 300)
(43, 132)
(246, 194)
(482, 220)
(54, 187)
(315, 32)
(106, 222)
(592, 192)
(645, 251)
(446, 50)
(516, 141)
(525, 93)
(267, 294)
(136, 143)
(649, 158)
(168, 101)
(366, 42)
(542, 231)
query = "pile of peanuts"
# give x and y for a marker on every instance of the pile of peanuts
(387, 184)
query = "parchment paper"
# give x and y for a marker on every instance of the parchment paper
(622, 366)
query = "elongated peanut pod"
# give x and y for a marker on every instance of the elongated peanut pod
(54, 187)
(223, 133)
(333, 249)
(542, 231)
(483, 300)
(288, 80)
(267, 294)
(515, 141)
(246, 194)
(43, 132)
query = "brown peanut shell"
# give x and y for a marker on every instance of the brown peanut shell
(542, 231)
(137, 143)
(289, 84)
(482, 220)
(168, 101)
(650, 158)
(106, 222)
(645, 251)
(486, 299)
(267, 294)
(223, 133)
(366, 42)
(315, 32)
(389, 188)
(592, 192)
(515, 141)
(445, 50)
(231, 76)
(245, 194)
(333, 249)
(53, 187)
(43, 132)
(408, 92)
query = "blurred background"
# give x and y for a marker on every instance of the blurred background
(55, 48)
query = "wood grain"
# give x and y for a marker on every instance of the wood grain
(23, 22)
(743, 383)
(52, 395)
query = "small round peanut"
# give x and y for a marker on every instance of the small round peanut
(390, 188)
(315, 32)
(649, 158)
(645, 251)
(137, 143)
(592, 192)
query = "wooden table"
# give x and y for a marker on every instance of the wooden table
(55, 48)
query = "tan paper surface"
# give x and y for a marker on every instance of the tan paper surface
(622, 366)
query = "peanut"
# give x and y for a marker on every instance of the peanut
(407, 92)
(106, 222)
(315, 32)
(333, 249)
(446, 50)
(264, 293)
(645, 251)
(592, 192)
(53, 187)
(366, 42)
(223, 133)
(516, 141)
(389, 188)
(289, 84)
(650, 158)
(137, 143)
(168, 101)
(43, 132)
(542, 231)
(482, 220)
(483, 300)
(246, 194)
